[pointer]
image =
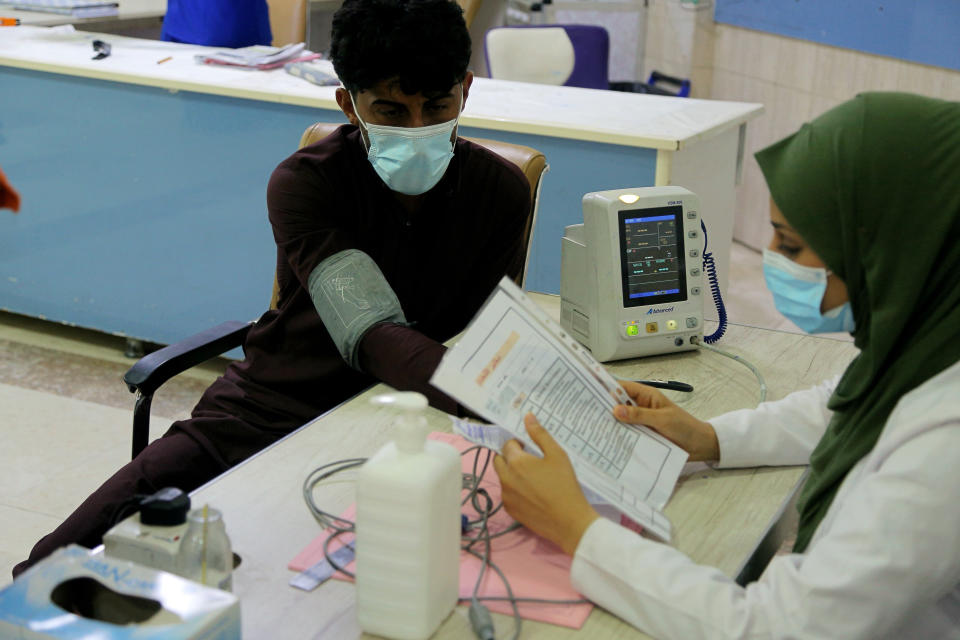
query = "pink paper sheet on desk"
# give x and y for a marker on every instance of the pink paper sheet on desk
(536, 568)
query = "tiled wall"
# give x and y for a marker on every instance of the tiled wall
(795, 79)
(673, 36)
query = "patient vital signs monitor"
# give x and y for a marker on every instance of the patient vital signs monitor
(632, 273)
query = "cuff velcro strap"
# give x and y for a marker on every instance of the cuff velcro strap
(351, 295)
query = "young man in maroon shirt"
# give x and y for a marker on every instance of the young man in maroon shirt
(390, 232)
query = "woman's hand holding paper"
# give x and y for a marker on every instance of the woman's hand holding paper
(656, 411)
(543, 493)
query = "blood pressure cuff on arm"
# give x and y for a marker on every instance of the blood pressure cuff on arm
(351, 295)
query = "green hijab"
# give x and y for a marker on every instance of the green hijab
(873, 186)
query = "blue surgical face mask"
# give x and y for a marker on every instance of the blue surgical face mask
(410, 160)
(797, 293)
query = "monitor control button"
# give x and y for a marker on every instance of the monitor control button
(691, 215)
(692, 234)
(694, 291)
(651, 327)
(633, 330)
(695, 271)
(691, 323)
(694, 253)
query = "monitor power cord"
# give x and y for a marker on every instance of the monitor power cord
(741, 360)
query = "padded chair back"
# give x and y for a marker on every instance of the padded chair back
(531, 162)
(575, 55)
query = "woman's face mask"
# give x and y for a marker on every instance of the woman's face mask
(410, 160)
(798, 291)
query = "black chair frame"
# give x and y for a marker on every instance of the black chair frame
(154, 369)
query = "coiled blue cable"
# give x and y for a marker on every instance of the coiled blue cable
(710, 268)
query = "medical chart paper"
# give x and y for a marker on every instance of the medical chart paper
(514, 359)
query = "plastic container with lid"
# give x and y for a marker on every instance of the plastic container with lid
(408, 528)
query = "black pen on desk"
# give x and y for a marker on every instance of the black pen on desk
(671, 385)
(9, 22)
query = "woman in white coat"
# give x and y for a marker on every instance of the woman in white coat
(866, 216)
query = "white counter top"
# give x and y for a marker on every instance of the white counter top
(567, 112)
(127, 10)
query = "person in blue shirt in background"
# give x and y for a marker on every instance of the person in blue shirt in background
(217, 23)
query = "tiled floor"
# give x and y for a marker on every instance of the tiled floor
(65, 414)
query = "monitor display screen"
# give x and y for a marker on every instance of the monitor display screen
(652, 256)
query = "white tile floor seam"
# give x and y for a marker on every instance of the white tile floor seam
(42, 480)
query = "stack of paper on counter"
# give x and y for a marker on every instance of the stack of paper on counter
(74, 8)
(258, 56)
(514, 359)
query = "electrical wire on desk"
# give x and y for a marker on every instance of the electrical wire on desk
(479, 614)
(478, 498)
(744, 362)
(318, 475)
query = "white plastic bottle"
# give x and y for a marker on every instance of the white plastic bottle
(408, 528)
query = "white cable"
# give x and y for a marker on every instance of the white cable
(744, 362)
(471, 483)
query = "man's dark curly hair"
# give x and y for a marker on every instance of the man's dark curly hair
(423, 43)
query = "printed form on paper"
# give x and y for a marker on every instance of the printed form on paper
(514, 359)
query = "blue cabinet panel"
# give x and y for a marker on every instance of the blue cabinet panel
(144, 209)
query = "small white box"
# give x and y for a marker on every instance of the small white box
(149, 546)
(73, 594)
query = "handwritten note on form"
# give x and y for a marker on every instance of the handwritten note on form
(514, 359)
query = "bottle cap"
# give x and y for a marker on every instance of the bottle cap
(165, 508)
(409, 432)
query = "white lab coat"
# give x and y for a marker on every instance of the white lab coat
(883, 563)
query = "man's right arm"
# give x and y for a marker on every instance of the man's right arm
(305, 212)
(322, 254)
(404, 358)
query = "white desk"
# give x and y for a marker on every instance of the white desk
(183, 153)
(719, 517)
(639, 120)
